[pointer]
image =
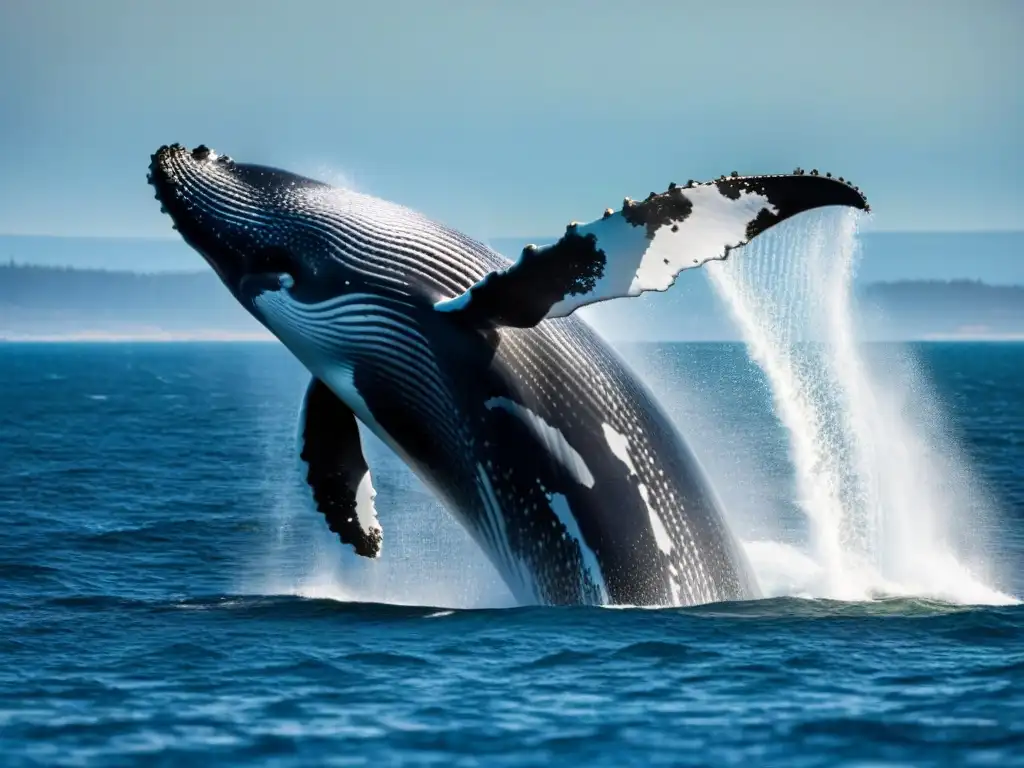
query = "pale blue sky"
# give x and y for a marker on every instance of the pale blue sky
(512, 118)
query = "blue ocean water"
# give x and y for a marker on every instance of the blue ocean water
(167, 598)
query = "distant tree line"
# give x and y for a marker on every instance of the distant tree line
(60, 299)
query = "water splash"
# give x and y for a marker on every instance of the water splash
(877, 477)
(427, 558)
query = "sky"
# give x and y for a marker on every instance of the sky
(512, 118)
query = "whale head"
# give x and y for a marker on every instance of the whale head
(261, 229)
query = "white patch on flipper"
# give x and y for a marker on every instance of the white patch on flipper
(550, 437)
(624, 246)
(618, 444)
(366, 512)
(560, 506)
(715, 223)
(365, 509)
(636, 263)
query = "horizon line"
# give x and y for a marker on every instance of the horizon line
(11, 263)
(172, 238)
(255, 338)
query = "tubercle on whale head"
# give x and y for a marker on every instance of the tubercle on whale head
(185, 182)
(245, 220)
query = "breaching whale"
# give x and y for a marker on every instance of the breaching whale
(531, 431)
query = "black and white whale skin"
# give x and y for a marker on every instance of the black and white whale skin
(527, 426)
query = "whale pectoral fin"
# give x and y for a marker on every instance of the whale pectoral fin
(337, 473)
(644, 246)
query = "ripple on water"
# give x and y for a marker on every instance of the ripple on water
(129, 634)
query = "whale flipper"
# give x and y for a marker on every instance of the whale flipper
(337, 473)
(644, 246)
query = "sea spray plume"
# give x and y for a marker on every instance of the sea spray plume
(880, 490)
(531, 431)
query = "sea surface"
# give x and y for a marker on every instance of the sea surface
(168, 597)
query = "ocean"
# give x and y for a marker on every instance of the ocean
(168, 596)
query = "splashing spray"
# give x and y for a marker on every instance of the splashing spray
(876, 477)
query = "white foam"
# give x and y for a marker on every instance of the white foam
(784, 570)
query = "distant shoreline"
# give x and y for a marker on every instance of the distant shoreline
(268, 339)
(86, 338)
(40, 304)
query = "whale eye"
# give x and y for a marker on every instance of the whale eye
(273, 259)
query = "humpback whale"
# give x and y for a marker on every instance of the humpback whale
(473, 369)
